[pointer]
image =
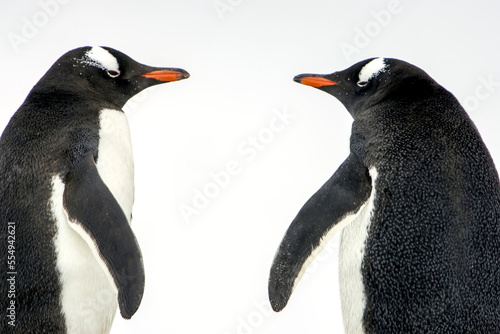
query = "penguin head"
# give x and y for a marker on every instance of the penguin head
(105, 74)
(370, 82)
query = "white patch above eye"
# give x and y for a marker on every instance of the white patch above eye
(101, 58)
(372, 69)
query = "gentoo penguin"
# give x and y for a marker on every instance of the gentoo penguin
(418, 203)
(66, 196)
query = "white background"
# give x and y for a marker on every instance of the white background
(208, 273)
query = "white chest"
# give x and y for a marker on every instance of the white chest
(115, 162)
(351, 252)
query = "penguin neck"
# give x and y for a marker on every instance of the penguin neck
(54, 95)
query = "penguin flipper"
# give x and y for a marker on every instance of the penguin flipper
(330, 209)
(95, 215)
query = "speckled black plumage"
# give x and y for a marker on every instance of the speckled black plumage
(432, 257)
(432, 254)
(33, 147)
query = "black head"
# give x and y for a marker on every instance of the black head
(105, 74)
(370, 82)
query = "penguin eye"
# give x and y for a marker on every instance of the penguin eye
(362, 83)
(112, 73)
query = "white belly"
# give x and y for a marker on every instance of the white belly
(88, 296)
(351, 252)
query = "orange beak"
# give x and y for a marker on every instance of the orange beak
(315, 81)
(167, 75)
